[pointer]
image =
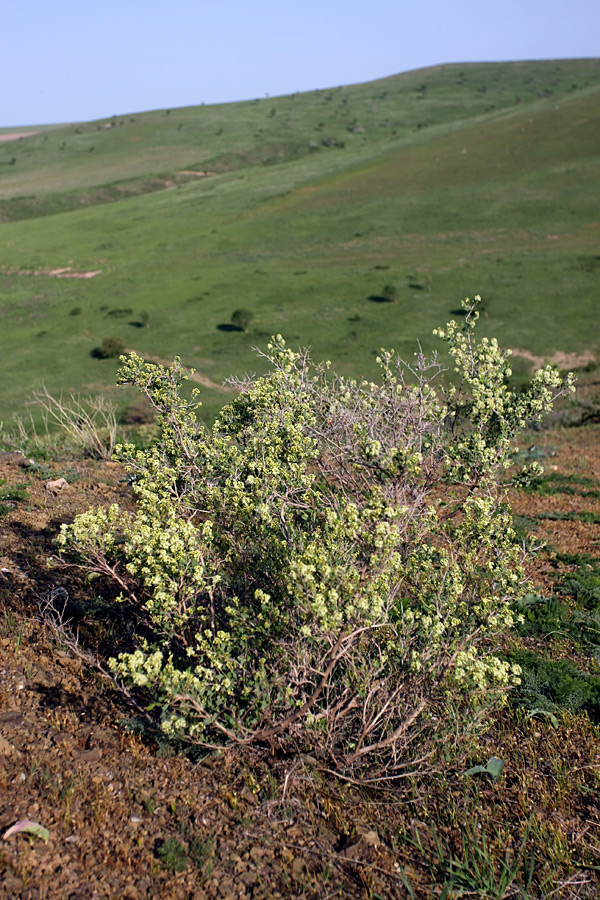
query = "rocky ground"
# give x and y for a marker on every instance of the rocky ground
(127, 818)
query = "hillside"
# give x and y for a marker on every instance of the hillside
(440, 183)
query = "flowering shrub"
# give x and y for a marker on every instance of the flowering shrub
(333, 561)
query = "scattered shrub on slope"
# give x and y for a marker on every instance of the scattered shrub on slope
(331, 563)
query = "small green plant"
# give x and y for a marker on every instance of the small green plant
(584, 516)
(542, 616)
(557, 483)
(13, 491)
(110, 348)
(202, 854)
(333, 561)
(389, 293)
(472, 870)
(172, 855)
(149, 804)
(15, 628)
(583, 586)
(493, 768)
(552, 684)
(241, 318)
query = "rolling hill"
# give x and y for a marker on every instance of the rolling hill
(440, 183)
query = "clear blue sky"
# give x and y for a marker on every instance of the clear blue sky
(72, 60)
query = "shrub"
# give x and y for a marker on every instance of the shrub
(120, 313)
(110, 348)
(331, 563)
(389, 293)
(241, 318)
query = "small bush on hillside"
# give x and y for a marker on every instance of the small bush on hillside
(241, 318)
(110, 348)
(331, 564)
(389, 293)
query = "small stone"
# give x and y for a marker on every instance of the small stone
(12, 718)
(68, 662)
(64, 737)
(256, 854)
(40, 676)
(7, 749)
(106, 740)
(225, 888)
(298, 868)
(248, 796)
(355, 847)
(92, 755)
(371, 838)
(249, 878)
(55, 487)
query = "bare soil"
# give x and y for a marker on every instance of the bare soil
(17, 135)
(249, 825)
(563, 360)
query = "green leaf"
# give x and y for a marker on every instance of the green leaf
(29, 828)
(543, 712)
(494, 769)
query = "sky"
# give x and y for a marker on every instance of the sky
(73, 60)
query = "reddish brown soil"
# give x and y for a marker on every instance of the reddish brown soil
(252, 826)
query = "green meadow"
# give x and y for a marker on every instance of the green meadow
(441, 183)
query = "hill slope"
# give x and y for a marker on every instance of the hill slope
(439, 183)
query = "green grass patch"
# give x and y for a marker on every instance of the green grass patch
(583, 586)
(571, 618)
(12, 493)
(524, 528)
(557, 483)
(551, 684)
(584, 516)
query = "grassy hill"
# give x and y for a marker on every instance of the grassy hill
(444, 182)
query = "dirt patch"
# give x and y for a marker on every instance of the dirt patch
(17, 135)
(61, 272)
(194, 376)
(560, 359)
